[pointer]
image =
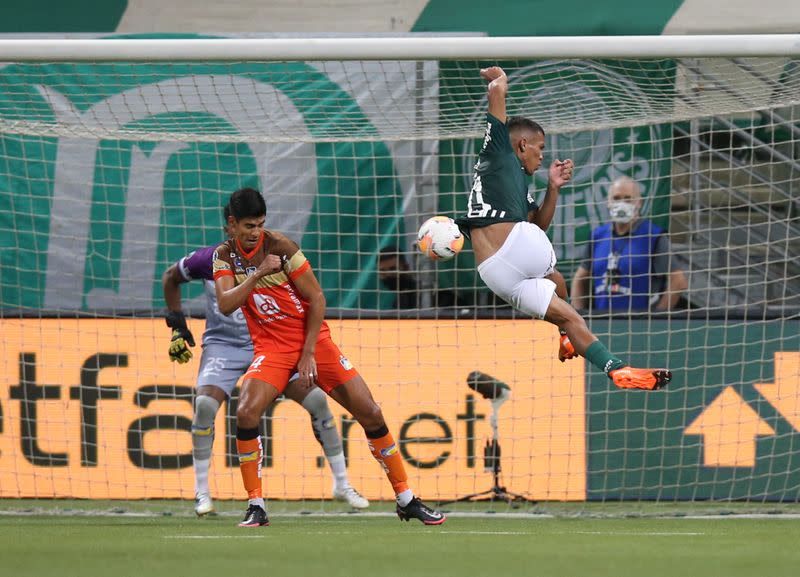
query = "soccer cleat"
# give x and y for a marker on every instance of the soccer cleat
(255, 517)
(648, 379)
(351, 497)
(203, 505)
(565, 349)
(416, 509)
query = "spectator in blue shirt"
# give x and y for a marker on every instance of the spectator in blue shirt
(627, 265)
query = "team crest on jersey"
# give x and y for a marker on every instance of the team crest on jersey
(346, 365)
(238, 262)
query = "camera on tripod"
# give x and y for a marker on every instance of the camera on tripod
(497, 393)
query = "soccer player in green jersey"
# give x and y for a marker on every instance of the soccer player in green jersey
(506, 228)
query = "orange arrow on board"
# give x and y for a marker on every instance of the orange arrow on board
(729, 428)
(784, 393)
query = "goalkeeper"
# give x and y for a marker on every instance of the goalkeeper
(512, 252)
(227, 354)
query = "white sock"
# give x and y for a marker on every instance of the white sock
(201, 475)
(205, 410)
(259, 502)
(404, 498)
(339, 470)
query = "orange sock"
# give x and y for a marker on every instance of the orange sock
(251, 454)
(385, 451)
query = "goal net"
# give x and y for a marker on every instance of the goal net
(117, 157)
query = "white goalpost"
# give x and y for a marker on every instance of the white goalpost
(117, 156)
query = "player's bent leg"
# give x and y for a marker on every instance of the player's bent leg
(565, 349)
(315, 401)
(561, 314)
(561, 285)
(206, 405)
(255, 397)
(586, 344)
(355, 396)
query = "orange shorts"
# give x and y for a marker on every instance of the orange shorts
(275, 368)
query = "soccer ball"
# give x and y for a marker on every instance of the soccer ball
(439, 238)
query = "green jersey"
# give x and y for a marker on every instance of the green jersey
(499, 184)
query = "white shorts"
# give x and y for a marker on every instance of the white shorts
(516, 272)
(221, 366)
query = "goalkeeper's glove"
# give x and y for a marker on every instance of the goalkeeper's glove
(181, 337)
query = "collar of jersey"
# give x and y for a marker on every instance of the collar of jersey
(249, 255)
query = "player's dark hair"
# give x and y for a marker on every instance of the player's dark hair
(521, 123)
(226, 212)
(247, 203)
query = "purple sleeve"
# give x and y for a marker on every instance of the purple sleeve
(198, 265)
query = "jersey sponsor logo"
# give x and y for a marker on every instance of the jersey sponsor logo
(266, 305)
(250, 270)
(297, 304)
(346, 364)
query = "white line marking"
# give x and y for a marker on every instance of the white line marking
(634, 533)
(213, 536)
(486, 532)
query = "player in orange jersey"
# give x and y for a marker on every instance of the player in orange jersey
(267, 275)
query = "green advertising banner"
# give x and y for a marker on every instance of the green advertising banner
(88, 222)
(727, 427)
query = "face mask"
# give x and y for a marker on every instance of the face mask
(621, 212)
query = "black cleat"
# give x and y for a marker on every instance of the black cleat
(255, 517)
(416, 509)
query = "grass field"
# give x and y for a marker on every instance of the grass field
(71, 541)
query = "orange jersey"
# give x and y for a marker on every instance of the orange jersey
(275, 310)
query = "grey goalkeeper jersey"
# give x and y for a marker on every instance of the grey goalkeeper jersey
(220, 329)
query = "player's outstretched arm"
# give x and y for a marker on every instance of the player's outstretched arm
(496, 91)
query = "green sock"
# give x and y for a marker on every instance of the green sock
(599, 356)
